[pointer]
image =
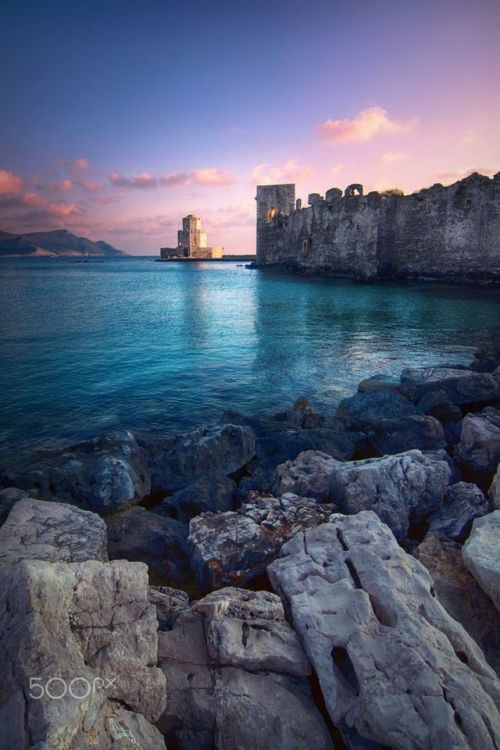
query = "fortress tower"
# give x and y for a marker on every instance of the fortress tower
(272, 200)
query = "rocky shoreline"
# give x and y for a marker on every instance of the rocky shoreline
(286, 582)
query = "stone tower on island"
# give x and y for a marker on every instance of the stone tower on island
(191, 243)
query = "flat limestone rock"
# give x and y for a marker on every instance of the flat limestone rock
(55, 532)
(233, 548)
(236, 677)
(460, 594)
(402, 489)
(481, 553)
(391, 663)
(88, 634)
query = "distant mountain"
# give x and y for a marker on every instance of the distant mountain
(58, 242)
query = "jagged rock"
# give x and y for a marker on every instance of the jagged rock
(177, 462)
(207, 493)
(462, 503)
(8, 498)
(481, 553)
(402, 489)
(462, 386)
(104, 475)
(233, 548)
(86, 632)
(364, 410)
(235, 675)
(402, 434)
(479, 447)
(460, 595)
(277, 442)
(494, 491)
(438, 404)
(55, 532)
(391, 663)
(486, 359)
(138, 534)
(380, 382)
(169, 603)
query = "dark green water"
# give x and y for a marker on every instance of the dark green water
(90, 347)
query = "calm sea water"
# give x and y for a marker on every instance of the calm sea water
(89, 347)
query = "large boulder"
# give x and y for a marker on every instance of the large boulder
(8, 498)
(479, 447)
(217, 451)
(404, 433)
(486, 359)
(460, 594)
(494, 491)
(207, 493)
(78, 645)
(379, 382)
(235, 547)
(137, 534)
(481, 553)
(363, 410)
(236, 677)
(462, 386)
(391, 663)
(104, 475)
(463, 503)
(55, 532)
(403, 489)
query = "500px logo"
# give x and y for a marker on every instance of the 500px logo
(57, 687)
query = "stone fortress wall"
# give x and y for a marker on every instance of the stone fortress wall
(450, 233)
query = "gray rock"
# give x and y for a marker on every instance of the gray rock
(402, 489)
(479, 447)
(235, 675)
(86, 632)
(438, 404)
(177, 462)
(462, 386)
(55, 532)
(391, 662)
(8, 498)
(463, 503)
(235, 547)
(404, 433)
(104, 475)
(494, 491)
(207, 493)
(169, 604)
(460, 595)
(379, 382)
(137, 534)
(481, 554)
(363, 410)
(487, 359)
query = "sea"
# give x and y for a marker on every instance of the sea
(88, 347)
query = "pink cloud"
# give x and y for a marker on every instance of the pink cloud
(175, 178)
(143, 180)
(76, 166)
(367, 124)
(10, 182)
(90, 186)
(391, 157)
(211, 176)
(453, 176)
(290, 171)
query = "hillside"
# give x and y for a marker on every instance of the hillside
(58, 242)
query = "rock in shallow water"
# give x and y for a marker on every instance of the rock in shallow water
(461, 386)
(364, 410)
(233, 548)
(55, 532)
(236, 677)
(481, 553)
(391, 662)
(85, 632)
(402, 489)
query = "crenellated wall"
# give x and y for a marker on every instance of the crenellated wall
(450, 233)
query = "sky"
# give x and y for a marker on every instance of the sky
(120, 117)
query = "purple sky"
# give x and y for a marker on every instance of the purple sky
(118, 117)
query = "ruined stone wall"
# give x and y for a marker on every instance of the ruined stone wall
(450, 233)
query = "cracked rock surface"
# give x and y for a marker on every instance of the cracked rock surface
(236, 677)
(55, 532)
(82, 621)
(481, 554)
(392, 664)
(234, 547)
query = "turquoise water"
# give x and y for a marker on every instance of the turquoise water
(90, 347)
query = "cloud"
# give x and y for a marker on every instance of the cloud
(75, 166)
(211, 176)
(175, 178)
(90, 186)
(453, 176)
(143, 180)
(10, 182)
(391, 157)
(290, 171)
(367, 124)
